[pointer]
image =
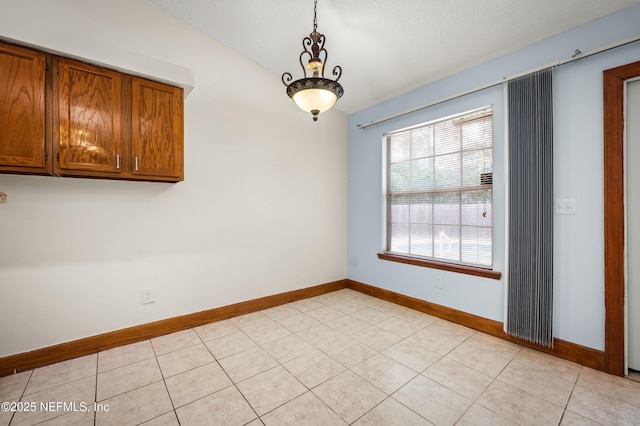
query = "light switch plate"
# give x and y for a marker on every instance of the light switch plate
(565, 206)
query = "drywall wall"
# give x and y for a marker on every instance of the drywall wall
(262, 209)
(578, 174)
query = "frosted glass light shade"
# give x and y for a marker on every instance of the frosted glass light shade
(315, 95)
(315, 99)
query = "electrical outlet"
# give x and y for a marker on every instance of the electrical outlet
(438, 283)
(148, 295)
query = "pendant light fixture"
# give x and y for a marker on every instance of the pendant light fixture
(314, 94)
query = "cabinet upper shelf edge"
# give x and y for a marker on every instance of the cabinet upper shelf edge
(116, 59)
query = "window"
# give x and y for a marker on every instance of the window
(439, 190)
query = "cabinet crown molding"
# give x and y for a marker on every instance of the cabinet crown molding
(117, 59)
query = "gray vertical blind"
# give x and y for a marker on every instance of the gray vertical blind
(530, 287)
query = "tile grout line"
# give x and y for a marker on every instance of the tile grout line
(280, 364)
(413, 378)
(345, 336)
(95, 395)
(350, 335)
(200, 338)
(573, 387)
(310, 390)
(605, 394)
(164, 382)
(442, 357)
(326, 302)
(21, 396)
(487, 388)
(233, 383)
(566, 408)
(319, 349)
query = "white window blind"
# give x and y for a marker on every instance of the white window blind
(439, 190)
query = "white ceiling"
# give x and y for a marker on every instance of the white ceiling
(385, 47)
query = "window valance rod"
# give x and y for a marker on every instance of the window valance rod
(577, 55)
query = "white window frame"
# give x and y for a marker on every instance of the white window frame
(432, 261)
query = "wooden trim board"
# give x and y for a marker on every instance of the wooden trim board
(614, 214)
(562, 349)
(461, 269)
(89, 345)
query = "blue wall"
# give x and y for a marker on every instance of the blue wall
(578, 174)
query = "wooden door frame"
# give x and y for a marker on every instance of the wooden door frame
(614, 214)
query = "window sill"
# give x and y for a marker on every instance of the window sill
(469, 270)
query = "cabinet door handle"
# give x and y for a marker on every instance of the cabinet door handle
(118, 161)
(136, 161)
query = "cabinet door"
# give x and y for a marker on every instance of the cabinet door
(89, 118)
(22, 108)
(157, 130)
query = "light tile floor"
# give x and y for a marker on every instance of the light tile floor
(336, 359)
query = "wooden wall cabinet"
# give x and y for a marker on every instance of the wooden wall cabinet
(24, 147)
(80, 120)
(157, 124)
(87, 120)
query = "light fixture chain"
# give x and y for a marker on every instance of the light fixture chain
(315, 15)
